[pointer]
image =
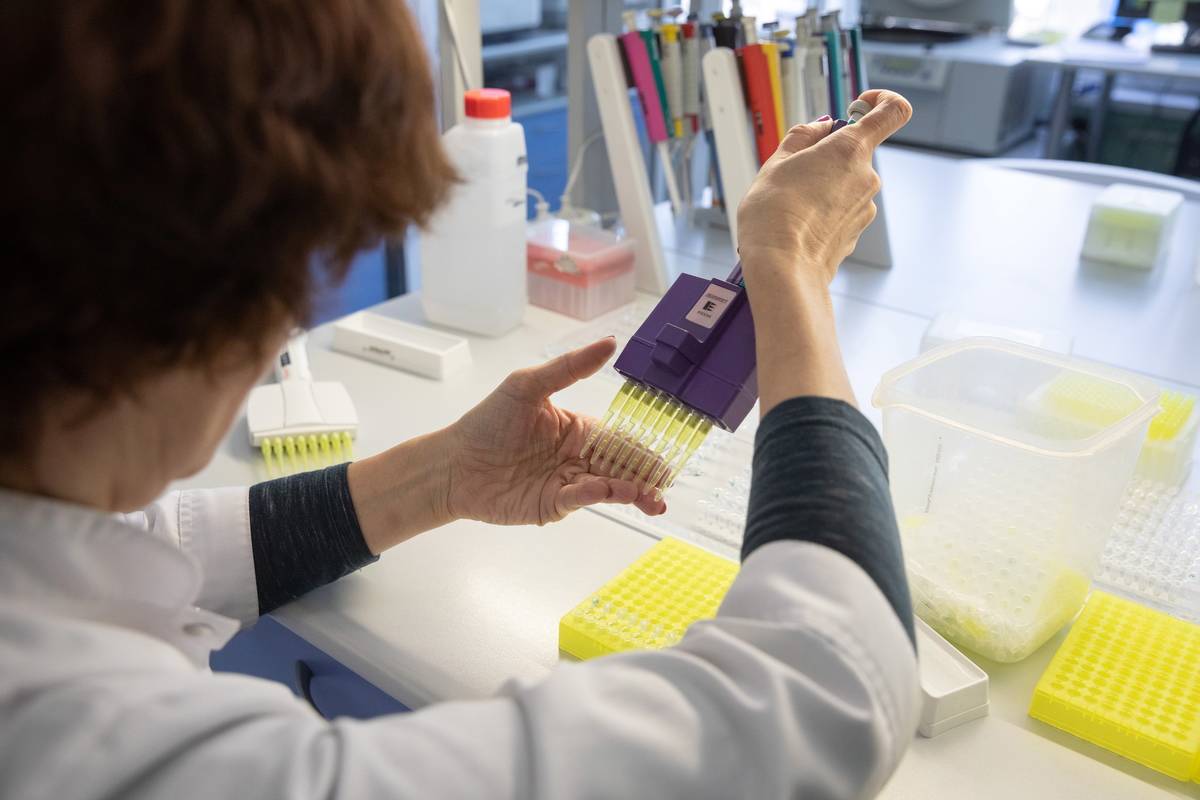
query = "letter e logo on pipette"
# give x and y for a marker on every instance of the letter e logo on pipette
(711, 306)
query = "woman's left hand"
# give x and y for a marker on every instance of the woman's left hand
(515, 456)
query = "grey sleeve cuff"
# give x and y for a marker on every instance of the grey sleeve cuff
(820, 475)
(304, 533)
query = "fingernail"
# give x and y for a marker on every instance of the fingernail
(824, 118)
(610, 336)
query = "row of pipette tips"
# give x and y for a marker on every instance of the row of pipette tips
(647, 437)
(287, 454)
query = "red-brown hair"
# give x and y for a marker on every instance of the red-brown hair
(172, 168)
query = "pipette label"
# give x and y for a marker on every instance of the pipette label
(711, 306)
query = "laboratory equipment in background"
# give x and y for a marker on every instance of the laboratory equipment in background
(945, 16)
(499, 16)
(1131, 225)
(578, 270)
(1125, 679)
(297, 423)
(975, 95)
(1121, 100)
(970, 89)
(759, 79)
(629, 175)
(950, 326)
(734, 143)
(1175, 23)
(399, 344)
(473, 253)
(1006, 481)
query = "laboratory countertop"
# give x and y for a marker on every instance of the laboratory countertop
(457, 612)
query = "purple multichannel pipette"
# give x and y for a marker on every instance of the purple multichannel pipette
(691, 365)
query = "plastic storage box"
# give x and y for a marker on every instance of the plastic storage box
(1003, 513)
(1131, 225)
(578, 270)
(396, 343)
(950, 326)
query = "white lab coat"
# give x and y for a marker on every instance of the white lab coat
(805, 684)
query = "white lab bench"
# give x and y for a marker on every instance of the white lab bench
(457, 612)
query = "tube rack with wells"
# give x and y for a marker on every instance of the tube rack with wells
(650, 604)
(1126, 679)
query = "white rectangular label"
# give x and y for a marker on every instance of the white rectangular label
(711, 305)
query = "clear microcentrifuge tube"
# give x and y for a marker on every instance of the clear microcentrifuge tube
(613, 409)
(604, 451)
(610, 431)
(629, 440)
(637, 467)
(693, 444)
(637, 440)
(680, 437)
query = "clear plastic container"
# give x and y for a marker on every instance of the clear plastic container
(1004, 497)
(578, 270)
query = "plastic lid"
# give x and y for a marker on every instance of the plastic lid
(986, 386)
(576, 254)
(488, 103)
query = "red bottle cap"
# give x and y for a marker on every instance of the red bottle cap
(488, 103)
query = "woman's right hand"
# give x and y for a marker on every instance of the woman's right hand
(814, 197)
(802, 216)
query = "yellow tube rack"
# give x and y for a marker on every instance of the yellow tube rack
(1127, 678)
(650, 604)
(1167, 452)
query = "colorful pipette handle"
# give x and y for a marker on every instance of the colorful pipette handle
(637, 55)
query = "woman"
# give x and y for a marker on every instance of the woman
(170, 175)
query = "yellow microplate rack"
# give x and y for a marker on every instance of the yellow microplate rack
(1170, 440)
(650, 604)
(1177, 409)
(1127, 678)
(1101, 403)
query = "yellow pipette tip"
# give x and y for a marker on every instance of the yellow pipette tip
(1177, 408)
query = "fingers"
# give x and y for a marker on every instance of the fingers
(559, 373)
(589, 490)
(890, 113)
(649, 506)
(801, 137)
(586, 492)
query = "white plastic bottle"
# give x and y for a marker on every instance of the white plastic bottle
(473, 255)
